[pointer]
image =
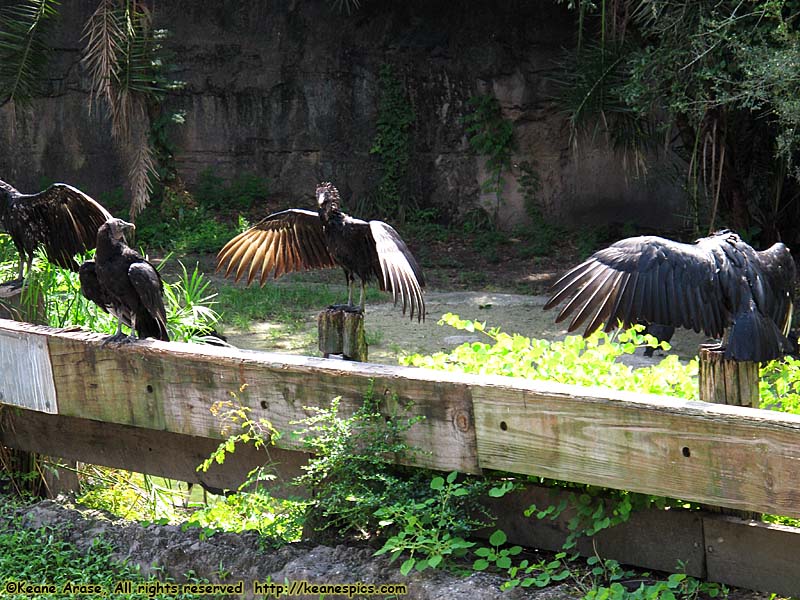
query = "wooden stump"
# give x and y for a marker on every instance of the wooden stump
(341, 333)
(724, 381)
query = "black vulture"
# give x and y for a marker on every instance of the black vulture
(61, 219)
(146, 325)
(297, 239)
(719, 285)
(127, 285)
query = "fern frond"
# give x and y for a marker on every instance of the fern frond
(23, 50)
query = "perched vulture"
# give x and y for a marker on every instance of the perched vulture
(719, 285)
(61, 219)
(146, 325)
(296, 239)
(123, 283)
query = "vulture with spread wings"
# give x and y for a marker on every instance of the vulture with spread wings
(296, 239)
(719, 285)
(61, 219)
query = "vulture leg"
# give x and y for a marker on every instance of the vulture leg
(30, 265)
(349, 277)
(117, 337)
(21, 264)
(132, 336)
(363, 295)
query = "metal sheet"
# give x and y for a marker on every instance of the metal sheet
(26, 375)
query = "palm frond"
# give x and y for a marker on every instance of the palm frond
(347, 6)
(593, 96)
(23, 49)
(141, 160)
(104, 38)
(119, 58)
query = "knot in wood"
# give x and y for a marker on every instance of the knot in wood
(462, 421)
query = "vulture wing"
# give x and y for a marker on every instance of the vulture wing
(776, 298)
(645, 278)
(92, 290)
(286, 241)
(64, 220)
(90, 286)
(152, 322)
(401, 273)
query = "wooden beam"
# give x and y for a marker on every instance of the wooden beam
(172, 386)
(161, 453)
(715, 454)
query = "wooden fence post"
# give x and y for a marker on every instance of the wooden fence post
(725, 381)
(341, 332)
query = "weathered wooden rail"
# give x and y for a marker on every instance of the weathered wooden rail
(146, 407)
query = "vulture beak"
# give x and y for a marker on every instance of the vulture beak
(127, 226)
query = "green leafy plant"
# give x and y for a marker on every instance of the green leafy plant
(52, 296)
(492, 136)
(41, 556)
(353, 471)
(240, 193)
(588, 361)
(431, 530)
(541, 234)
(392, 144)
(24, 52)
(190, 315)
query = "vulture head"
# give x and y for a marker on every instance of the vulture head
(115, 229)
(327, 196)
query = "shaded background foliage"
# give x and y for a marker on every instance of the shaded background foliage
(694, 102)
(716, 84)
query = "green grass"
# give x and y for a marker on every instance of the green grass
(286, 302)
(39, 556)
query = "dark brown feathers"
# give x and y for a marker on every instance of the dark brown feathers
(128, 286)
(719, 285)
(297, 239)
(61, 219)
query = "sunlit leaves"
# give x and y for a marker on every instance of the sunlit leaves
(592, 361)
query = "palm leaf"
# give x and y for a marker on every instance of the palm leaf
(119, 58)
(104, 37)
(23, 50)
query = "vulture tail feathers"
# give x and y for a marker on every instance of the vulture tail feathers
(755, 337)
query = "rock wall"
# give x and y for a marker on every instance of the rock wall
(288, 90)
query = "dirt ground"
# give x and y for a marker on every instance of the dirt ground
(229, 558)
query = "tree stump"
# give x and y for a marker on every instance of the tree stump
(724, 381)
(341, 333)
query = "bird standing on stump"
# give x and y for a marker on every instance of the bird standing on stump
(61, 219)
(719, 285)
(297, 239)
(127, 285)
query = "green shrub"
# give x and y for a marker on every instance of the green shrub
(588, 361)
